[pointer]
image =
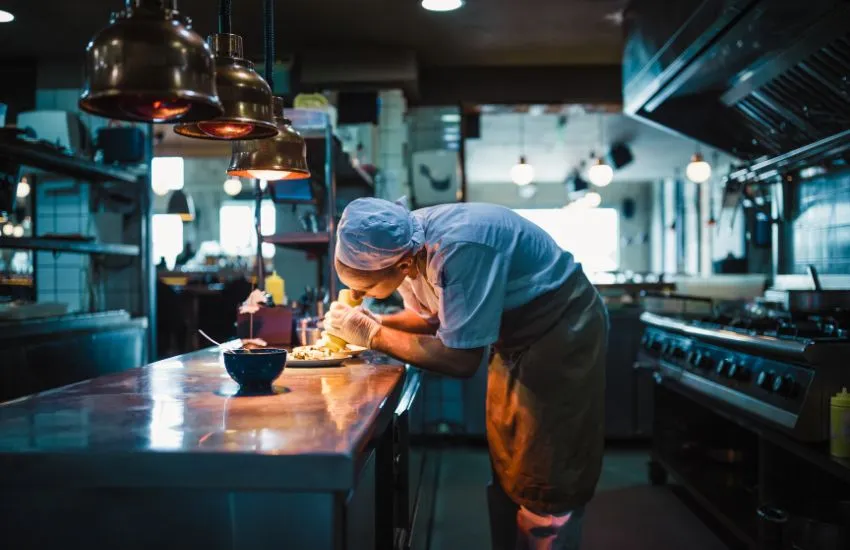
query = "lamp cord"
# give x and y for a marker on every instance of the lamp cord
(224, 11)
(268, 31)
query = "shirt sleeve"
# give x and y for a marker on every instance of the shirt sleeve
(473, 278)
(411, 302)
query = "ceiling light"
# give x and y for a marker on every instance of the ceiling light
(246, 97)
(18, 231)
(450, 118)
(600, 174)
(181, 204)
(592, 199)
(698, 170)
(23, 190)
(8, 229)
(6, 17)
(442, 5)
(522, 173)
(233, 186)
(282, 157)
(149, 66)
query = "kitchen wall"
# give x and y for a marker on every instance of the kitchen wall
(635, 244)
(821, 225)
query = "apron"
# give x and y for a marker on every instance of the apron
(545, 398)
(545, 394)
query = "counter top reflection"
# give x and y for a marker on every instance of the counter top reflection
(178, 423)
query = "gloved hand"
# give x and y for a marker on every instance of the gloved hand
(350, 324)
(374, 316)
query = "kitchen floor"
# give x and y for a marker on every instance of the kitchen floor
(626, 514)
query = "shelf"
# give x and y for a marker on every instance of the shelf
(316, 243)
(62, 245)
(37, 156)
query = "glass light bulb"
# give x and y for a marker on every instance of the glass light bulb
(226, 130)
(8, 229)
(442, 5)
(600, 174)
(23, 190)
(18, 231)
(522, 173)
(268, 175)
(157, 110)
(698, 170)
(233, 186)
(593, 199)
(159, 188)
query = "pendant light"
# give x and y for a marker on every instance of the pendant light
(283, 156)
(245, 96)
(600, 173)
(442, 5)
(232, 186)
(181, 204)
(522, 173)
(698, 170)
(149, 66)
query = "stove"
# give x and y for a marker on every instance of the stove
(780, 369)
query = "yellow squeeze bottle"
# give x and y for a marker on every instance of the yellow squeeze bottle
(335, 343)
(275, 287)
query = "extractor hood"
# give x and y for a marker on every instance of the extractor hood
(760, 79)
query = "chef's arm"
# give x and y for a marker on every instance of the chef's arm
(409, 321)
(427, 352)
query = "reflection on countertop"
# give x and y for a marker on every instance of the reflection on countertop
(177, 417)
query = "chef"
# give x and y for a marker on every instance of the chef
(479, 281)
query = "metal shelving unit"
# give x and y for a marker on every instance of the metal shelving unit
(132, 185)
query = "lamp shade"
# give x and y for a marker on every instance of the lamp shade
(282, 157)
(149, 66)
(181, 204)
(245, 96)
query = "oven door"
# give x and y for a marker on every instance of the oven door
(406, 475)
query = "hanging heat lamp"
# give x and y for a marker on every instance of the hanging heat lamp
(149, 66)
(246, 97)
(522, 173)
(181, 204)
(283, 157)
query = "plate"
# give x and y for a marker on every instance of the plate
(316, 363)
(354, 350)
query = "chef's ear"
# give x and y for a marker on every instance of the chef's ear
(405, 265)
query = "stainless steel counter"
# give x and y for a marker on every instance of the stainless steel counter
(172, 423)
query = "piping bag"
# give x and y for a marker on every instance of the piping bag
(335, 343)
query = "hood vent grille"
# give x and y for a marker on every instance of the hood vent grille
(806, 103)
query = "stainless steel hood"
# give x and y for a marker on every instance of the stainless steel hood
(759, 79)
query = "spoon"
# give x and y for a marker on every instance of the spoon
(207, 336)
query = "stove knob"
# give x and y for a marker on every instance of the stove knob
(665, 348)
(785, 386)
(722, 367)
(646, 341)
(740, 372)
(677, 352)
(694, 358)
(764, 380)
(705, 361)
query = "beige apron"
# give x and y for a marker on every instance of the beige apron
(545, 398)
(545, 394)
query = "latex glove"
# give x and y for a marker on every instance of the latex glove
(350, 324)
(374, 316)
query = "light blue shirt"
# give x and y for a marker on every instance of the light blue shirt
(483, 260)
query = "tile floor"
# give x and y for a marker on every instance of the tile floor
(626, 514)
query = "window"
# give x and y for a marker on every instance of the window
(592, 235)
(166, 174)
(167, 237)
(236, 228)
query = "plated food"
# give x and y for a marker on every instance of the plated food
(316, 356)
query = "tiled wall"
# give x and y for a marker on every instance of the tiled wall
(822, 226)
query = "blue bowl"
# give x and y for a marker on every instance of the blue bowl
(255, 370)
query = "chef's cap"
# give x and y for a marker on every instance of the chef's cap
(374, 234)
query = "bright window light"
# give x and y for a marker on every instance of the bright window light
(591, 235)
(167, 237)
(236, 228)
(167, 173)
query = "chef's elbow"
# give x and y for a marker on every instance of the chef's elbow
(468, 364)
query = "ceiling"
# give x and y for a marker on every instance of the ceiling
(484, 32)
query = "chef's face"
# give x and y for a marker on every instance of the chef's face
(375, 284)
